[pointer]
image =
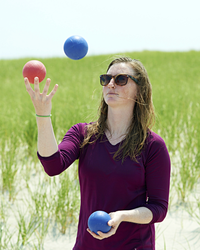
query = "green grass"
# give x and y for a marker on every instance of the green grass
(175, 79)
(66, 202)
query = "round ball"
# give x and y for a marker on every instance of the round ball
(32, 69)
(98, 221)
(75, 47)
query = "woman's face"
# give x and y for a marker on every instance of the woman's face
(115, 95)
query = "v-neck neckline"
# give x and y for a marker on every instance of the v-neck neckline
(113, 145)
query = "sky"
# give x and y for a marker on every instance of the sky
(39, 28)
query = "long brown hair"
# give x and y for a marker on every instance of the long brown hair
(142, 120)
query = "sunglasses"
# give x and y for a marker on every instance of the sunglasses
(120, 79)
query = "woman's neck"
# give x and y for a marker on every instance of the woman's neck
(118, 123)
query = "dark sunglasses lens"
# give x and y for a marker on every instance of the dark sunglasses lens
(121, 80)
(105, 79)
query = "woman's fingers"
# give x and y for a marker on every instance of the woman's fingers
(36, 91)
(36, 85)
(45, 90)
(53, 91)
(28, 87)
(101, 235)
(46, 87)
(94, 235)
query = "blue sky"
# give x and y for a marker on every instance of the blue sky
(39, 28)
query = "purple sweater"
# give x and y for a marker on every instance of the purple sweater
(110, 186)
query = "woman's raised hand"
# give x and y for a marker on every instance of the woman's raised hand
(41, 101)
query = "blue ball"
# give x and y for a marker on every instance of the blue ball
(98, 221)
(75, 47)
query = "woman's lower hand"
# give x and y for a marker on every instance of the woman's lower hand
(116, 219)
(41, 101)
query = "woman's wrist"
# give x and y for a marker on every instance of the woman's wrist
(126, 215)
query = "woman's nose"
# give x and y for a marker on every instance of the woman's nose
(111, 84)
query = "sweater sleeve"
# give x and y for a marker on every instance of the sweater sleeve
(68, 151)
(157, 178)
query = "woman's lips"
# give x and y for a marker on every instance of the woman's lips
(111, 93)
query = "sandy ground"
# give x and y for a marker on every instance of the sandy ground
(178, 231)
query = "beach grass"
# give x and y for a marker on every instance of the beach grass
(175, 78)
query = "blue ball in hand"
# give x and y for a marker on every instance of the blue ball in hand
(98, 221)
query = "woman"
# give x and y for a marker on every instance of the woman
(124, 167)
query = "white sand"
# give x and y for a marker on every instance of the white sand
(178, 231)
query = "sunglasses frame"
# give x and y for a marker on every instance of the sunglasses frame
(128, 76)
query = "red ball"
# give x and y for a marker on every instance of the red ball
(32, 69)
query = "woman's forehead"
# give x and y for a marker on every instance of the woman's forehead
(118, 68)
